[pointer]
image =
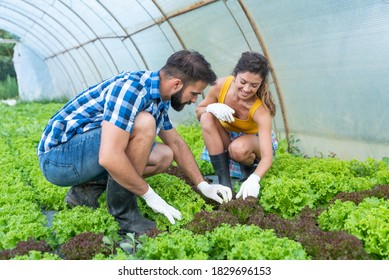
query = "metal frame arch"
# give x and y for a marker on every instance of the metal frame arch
(48, 32)
(64, 69)
(127, 35)
(168, 22)
(237, 24)
(274, 75)
(167, 17)
(21, 11)
(80, 45)
(71, 35)
(57, 38)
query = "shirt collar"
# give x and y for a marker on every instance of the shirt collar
(154, 76)
(155, 93)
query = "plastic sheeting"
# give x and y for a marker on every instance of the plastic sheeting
(329, 58)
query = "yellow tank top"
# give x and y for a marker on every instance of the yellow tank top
(248, 125)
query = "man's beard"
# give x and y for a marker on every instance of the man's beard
(175, 100)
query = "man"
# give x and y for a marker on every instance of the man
(107, 134)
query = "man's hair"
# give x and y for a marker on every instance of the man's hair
(189, 66)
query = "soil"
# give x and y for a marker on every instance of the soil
(177, 171)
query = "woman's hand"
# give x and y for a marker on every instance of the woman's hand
(221, 111)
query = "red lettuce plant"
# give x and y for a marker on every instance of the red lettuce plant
(379, 191)
(242, 209)
(24, 247)
(204, 221)
(320, 245)
(85, 246)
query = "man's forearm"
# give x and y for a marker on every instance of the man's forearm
(123, 172)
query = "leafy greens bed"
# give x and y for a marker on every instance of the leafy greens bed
(309, 208)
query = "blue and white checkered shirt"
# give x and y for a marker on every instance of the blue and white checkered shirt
(117, 100)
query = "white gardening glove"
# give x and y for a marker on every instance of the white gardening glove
(213, 191)
(160, 206)
(250, 187)
(221, 111)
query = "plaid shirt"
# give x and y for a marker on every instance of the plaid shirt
(117, 100)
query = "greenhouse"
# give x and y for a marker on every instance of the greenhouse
(326, 194)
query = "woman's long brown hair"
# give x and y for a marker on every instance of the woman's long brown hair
(257, 64)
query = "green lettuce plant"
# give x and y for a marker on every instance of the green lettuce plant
(251, 242)
(266, 246)
(286, 196)
(335, 217)
(181, 244)
(20, 222)
(368, 221)
(37, 255)
(119, 254)
(70, 222)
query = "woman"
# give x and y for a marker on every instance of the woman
(236, 119)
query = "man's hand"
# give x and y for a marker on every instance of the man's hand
(250, 187)
(221, 111)
(160, 206)
(213, 191)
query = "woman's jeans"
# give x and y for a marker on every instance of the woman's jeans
(74, 162)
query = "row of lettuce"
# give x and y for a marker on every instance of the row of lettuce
(292, 184)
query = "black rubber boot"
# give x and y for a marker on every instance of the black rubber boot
(247, 170)
(86, 194)
(222, 169)
(123, 206)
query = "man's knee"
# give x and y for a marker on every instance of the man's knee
(164, 158)
(144, 125)
(167, 157)
(160, 160)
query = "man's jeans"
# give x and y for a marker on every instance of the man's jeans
(74, 162)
